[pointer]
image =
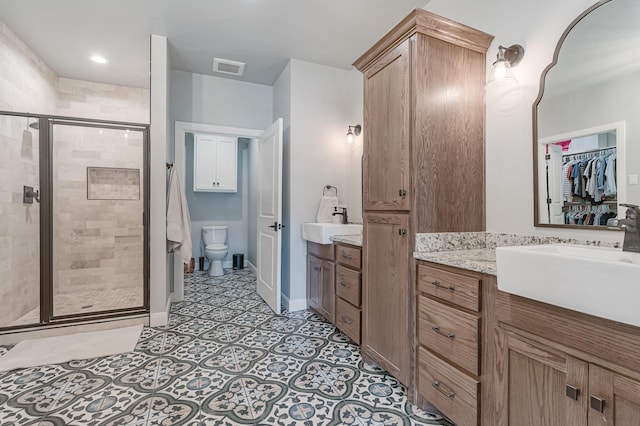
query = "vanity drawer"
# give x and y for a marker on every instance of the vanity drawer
(348, 285)
(349, 256)
(348, 319)
(449, 389)
(324, 251)
(450, 332)
(455, 288)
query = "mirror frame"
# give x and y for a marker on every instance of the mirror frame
(554, 62)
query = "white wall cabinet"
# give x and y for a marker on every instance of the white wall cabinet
(215, 162)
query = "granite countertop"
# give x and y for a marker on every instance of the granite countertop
(354, 240)
(481, 260)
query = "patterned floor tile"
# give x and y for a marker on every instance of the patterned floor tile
(224, 359)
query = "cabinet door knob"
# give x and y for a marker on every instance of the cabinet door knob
(402, 232)
(440, 388)
(597, 404)
(572, 392)
(436, 328)
(402, 192)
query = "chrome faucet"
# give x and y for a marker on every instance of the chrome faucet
(631, 226)
(343, 213)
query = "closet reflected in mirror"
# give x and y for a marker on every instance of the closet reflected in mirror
(587, 120)
(579, 183)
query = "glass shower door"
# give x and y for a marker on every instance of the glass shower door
(98, 228)
(19, 221)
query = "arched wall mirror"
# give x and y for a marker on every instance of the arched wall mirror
(586, 120)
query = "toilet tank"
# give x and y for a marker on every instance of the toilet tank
(216, 234)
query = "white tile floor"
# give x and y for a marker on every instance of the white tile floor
(224, 359)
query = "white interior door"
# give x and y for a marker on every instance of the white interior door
(555, 184)
(270, 215)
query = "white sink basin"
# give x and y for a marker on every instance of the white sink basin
(321, 232)
(599, 281)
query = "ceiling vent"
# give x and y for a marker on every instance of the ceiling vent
(226, 66)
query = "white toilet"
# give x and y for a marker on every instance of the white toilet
(215, 248)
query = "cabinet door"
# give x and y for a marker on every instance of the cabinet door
(538, 386)
(328, 291)
(204, 163)
(385, 171)
(613, 399)
(386, 292)
(314, 282)
(227, 164)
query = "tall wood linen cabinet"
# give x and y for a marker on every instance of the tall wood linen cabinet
(423, 166)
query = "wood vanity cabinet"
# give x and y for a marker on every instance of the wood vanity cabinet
(321, 291)
(559, 367)
(423, 165)
(349, 291)
(454, 342)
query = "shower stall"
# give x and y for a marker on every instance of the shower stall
(74, 215)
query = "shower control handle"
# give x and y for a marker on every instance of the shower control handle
(29, 194)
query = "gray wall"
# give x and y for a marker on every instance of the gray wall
(205, 99)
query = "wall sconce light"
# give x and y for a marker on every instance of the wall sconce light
(507, 58)
(353, 131)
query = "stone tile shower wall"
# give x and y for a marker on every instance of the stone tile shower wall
(28, 84)
(98, 243)
(19, 223)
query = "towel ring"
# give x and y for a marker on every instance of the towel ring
(329, 187)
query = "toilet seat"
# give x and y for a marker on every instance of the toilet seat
(216, 247)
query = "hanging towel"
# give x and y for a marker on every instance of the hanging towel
(178, 220)
(328, 203)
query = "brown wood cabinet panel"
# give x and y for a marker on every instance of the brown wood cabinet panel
(385, 170)
(453, 392)
(321, 292)
(314, 282)
(458, 289)
(323, 251)
(448, 137)
(531, 385)
(452, 333)
(349, 256)
(620, 396)
(348, 285)
(611, 341)
(386, 336)
(328, 294)
(348, 319)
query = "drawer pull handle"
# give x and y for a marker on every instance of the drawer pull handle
(436, 328)
(346, 320)
(343, 284)
(347, 256)
(448, 393)
(438, 285)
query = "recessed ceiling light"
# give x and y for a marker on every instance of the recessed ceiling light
(98, 59)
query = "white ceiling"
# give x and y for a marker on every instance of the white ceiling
(263, 33)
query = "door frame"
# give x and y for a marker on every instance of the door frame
(179, 162)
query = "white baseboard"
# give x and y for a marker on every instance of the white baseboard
(252, 267)
(293, 305)
(159, 319)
